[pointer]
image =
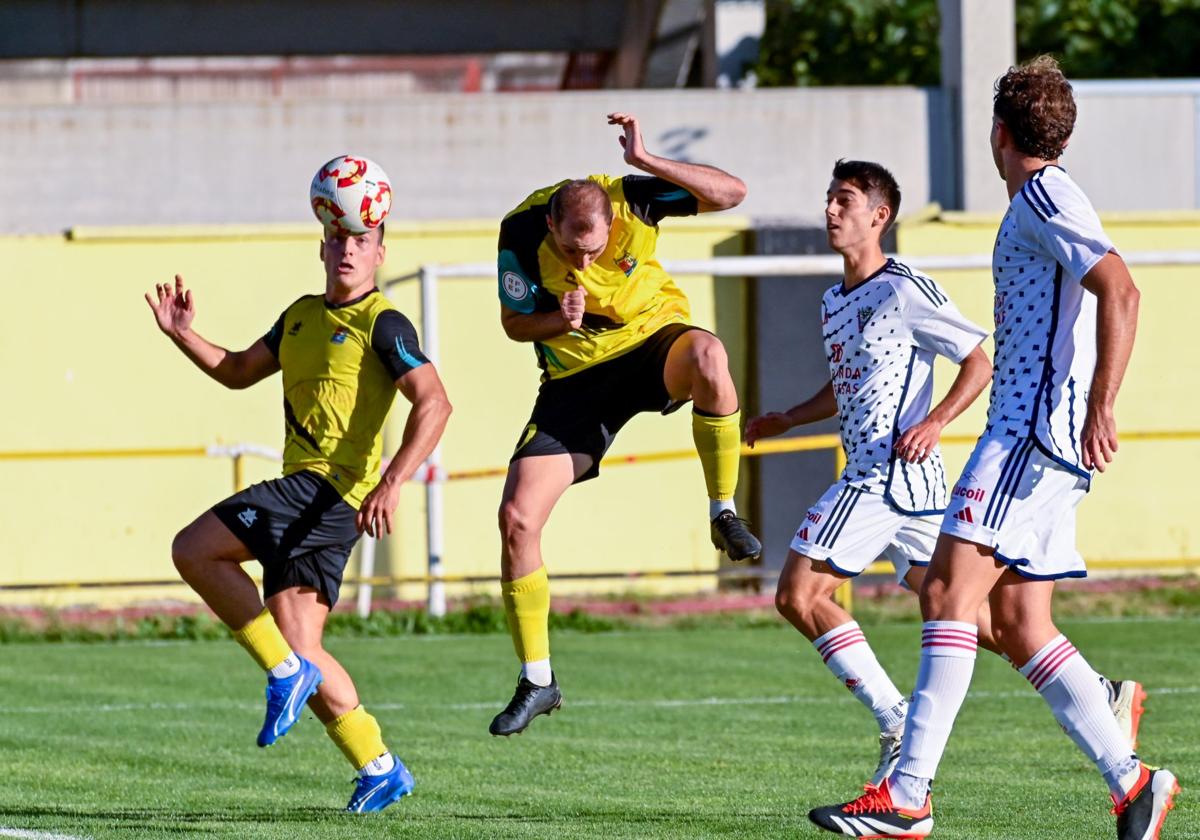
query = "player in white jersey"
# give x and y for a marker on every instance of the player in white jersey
(883, 326)
(1066, 313)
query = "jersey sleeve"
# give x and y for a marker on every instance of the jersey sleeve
(394, 340)
(274, 336)
(652, 199)
(1066, 225)
(517, 268)
(936, 323)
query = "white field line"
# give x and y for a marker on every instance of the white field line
(36, 835)
(680, 703)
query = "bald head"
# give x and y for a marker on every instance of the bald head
(580, 218)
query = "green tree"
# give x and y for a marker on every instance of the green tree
(849, 42)
(879, 42)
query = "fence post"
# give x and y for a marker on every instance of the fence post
(366, 570)
(436, 598)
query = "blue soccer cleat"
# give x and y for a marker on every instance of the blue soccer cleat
(374, 793)
(286, 697)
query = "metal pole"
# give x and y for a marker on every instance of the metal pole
(366, 569)
(843, 596)
(239, 473)
(436, 600)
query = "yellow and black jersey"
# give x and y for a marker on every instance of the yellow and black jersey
(340, 364)
(629, 295)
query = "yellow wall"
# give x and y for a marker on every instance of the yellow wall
(85, 367)
(1142, 507)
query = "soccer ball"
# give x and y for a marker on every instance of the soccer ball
(351, 194)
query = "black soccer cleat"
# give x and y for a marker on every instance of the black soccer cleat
(732, 535)
(527, 702)
(874, 815)
(1140, 815)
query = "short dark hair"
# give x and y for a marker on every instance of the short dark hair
(1037, 106)
(874, 180)
(381, 224)
(580, 199)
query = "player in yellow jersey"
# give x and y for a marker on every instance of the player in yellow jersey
(343, 355)
(580, 281)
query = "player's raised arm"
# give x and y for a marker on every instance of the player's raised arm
(820, 406)
(713, 188)
(174, 311)
(1117, 302)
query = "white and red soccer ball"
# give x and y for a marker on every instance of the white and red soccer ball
(351, 194)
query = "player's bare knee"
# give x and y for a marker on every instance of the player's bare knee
(516, 526)
(932, 598)
(185, 551)
(709, 359)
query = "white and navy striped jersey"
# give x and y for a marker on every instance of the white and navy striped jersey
(1045, 320)
(881, 338)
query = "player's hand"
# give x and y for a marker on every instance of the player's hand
(572, 306)
(916, 444)
(375, 514)
(767, 425)
(1099, 441)
(631, 141)
(173, 307)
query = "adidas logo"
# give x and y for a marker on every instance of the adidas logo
(964, 515)
(803, 534)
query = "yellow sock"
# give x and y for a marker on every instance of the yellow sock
(262, 640)
(527, 606)
(358, 736)
(719, 444)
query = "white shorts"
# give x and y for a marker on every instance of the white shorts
(1012, 497)
(850, 528)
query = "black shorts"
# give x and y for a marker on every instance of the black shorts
(582, 413)
(300, 529)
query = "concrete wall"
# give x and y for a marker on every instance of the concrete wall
(454, 156)
(475, 156)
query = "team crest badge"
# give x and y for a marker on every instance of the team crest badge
(627, 262)
(339, 336)
(864, 317)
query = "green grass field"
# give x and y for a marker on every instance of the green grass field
(718, 732)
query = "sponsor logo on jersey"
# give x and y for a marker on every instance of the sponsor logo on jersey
(813, 517)
(975, 494)
(339, 335)
(836, 351)
(514, 285)
(627, 262)
(864, 317)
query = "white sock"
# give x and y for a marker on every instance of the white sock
(287, 668)
(947, 662)
(908, 791)
(1078, 698)
(845, 650)
(376, 766)
(537, 672)
(716, 506)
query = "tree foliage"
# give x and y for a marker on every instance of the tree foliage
(874, 42)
